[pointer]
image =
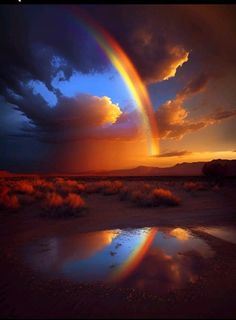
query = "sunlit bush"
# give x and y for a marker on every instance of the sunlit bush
(164, 197)
(65, 186)
(57, 206)
(74, 201)
(24, 186)
(43, 185)
(8, 201)
(53, 200)
(194, 186)
(141, 197)
(152, 198)
(105, 187)
(113, 188)
(124, 193)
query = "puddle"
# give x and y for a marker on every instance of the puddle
(224, 233)
(150, 259)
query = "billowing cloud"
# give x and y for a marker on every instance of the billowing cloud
(72, 119)
(158, 38)
(85, 111)
(30, 46)
(80, 112)
(173, 117)
(156, 60)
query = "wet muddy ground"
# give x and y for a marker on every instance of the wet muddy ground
(121, 261)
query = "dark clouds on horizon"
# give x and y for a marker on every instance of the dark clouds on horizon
(194, 43)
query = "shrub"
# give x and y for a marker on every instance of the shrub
(194, 186)
(80, 187)
(74, 201)
(12, 202)
(57, 206)
(141, 197)
(146, 186)
(65, 185)
(153, 198)
(8, 201)
(105, 186)
(43, 185)
(4, 190)
(53, 200)
(124, 193)
(164, 197)
(113, 188)
(24, 186)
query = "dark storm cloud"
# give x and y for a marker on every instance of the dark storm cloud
(195, 85)
(175, 154)
(156, 36)
(32, 35)
(80, 117)
(222, 114)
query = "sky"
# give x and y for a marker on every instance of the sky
(92, 87)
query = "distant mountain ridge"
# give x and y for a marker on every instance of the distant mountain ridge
(185, 169)
(180, 169)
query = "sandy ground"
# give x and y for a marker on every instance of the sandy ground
(24, 293)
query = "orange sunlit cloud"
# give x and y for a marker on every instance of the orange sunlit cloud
(180, 56)
(180, 234)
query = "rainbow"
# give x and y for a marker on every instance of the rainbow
(135, 258)
(129, 74)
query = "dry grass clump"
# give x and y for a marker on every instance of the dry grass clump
(113, 188)
(74, 201)
(162, 196)
(7, 200)
(80, 187)
(148, 197)
(24, 187)
(65, 186)
(141, 198)
(97, 186)
(194, 186)
(43, 185)
(53, 200)
(124, 193)
(216, 187)
(105, 187)
(146, 186)
(56, 205)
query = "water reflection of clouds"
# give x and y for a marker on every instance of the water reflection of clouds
(172, 245)
(227, 233)
(157, 260)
